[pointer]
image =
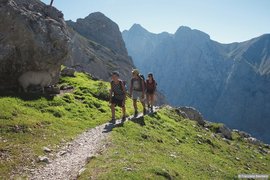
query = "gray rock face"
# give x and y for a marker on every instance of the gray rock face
(33, 37)
(99, 28)
(228, 83)
(97, 47)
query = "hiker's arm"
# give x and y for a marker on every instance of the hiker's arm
(111, 94)
(124, 90)
(143, 88)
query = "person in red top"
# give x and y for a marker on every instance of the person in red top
(151, 86)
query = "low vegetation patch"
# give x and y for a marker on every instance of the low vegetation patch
(166, 146)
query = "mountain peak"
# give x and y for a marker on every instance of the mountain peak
(138, 28)
(101, 29)
(185, 31)
(184, 28)
(96, 15)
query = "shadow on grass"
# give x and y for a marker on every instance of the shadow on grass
(138, 120)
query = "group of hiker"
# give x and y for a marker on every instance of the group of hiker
(140, 89)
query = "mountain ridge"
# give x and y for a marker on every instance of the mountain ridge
(223, 81)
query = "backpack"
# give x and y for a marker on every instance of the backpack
(143, 79)
(121, 82)
(125, 85)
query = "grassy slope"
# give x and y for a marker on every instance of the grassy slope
(169, 147)
(26, 126)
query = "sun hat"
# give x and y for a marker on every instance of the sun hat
(135, 71)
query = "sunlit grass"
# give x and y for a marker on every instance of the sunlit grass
(167, 148)
(26, 126)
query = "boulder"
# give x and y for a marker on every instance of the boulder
(67, 71)
(192, 114)
(33, 37)
(181, 113)
(43, 159)
(225, 132)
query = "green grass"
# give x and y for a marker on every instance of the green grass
(161, 146)
(170, 147)
(26, 126)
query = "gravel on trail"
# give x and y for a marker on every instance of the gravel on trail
(71, 159)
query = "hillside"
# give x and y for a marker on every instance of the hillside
(30, 122)
(226, 82)
(164, 144)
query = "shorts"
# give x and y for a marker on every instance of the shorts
(150, 92)
(137, 95)
(117, 102)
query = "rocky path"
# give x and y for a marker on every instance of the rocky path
(72, 158)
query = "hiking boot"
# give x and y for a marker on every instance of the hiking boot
(113, 121)
(135, 113)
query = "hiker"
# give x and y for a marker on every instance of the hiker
(137, 91)
(151, 86)
(117, 96)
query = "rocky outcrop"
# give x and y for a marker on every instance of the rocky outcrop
(191, 113)
(97, 47)
(225, 131)
(33, 37)
(68, 72)
(91, 57)
(228, 83)
(99, 28)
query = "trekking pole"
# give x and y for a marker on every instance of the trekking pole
(51, 2)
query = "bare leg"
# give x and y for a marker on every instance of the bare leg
(152, 99)
(148, 100)
(135, 107)
(124, 111)
(113, 110)
(135, 104)
(143, 104)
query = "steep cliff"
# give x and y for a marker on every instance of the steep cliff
(97, 47)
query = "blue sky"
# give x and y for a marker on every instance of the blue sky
(225, 21)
